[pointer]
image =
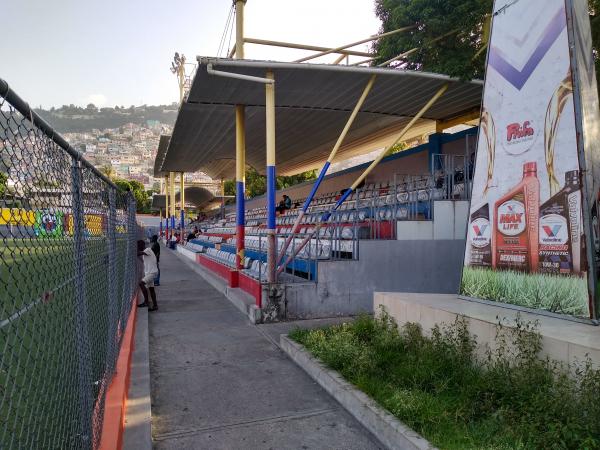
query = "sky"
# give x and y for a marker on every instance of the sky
(118, 52)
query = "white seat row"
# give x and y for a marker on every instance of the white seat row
(197, 248)
(221, 230)
(225, 258)
(257, 270)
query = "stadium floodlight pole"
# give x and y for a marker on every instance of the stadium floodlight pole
(178, 69)
(270, 138)
(362, 41)
(182, 201)
(315, 48)
(240, 148)
(325, 168)
(364, 175)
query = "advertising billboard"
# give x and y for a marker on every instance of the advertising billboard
(16, 216)
(95, 224)
(48, 223)
(529, 225)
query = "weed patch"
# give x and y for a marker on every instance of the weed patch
(510, 399)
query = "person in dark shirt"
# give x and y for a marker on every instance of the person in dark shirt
(156, 249)
(285, 203)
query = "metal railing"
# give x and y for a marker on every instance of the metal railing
(68, 274)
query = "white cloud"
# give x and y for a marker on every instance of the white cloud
(96, 99)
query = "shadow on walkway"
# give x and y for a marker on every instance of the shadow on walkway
(219, 382)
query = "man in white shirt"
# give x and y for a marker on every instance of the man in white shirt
(150, 273)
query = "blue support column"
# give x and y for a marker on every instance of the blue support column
(435, 148)
(271, 200)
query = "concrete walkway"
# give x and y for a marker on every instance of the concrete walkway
(218, 382)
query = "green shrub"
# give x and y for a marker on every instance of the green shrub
(438, 385)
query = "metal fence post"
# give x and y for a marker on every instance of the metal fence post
(81, 313)
(133, 237)
(111, 341)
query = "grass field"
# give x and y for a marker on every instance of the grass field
(560, 294)
(439, 387)
(39, 395)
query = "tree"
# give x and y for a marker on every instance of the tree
(109, 171)
(454, 55)
(3, 183)
(142, 200)
(462, 53)
(256, 184)
(288, 181)
(122, 184)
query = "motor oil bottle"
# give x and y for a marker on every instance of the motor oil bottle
(515, 240)
(480, 237)
(560, 229)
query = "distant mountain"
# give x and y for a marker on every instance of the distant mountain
(70, 119)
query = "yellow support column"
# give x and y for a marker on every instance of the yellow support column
(182, 202)
(172, 200)
(271, 225)
(240, 147)
(239, 29)
(167, 220)
(240, 183)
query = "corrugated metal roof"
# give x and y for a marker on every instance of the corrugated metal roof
(163, 145)
(198, 196)
(313, 103)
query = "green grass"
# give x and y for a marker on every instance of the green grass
(438, 387)
(560, 294)
(39, 401)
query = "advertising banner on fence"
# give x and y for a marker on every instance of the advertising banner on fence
(527, 232)
(16, 216)
(48, 223)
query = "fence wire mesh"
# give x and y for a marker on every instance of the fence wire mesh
(68, 273)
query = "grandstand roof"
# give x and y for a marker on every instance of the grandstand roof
(163, 144)
(159, 201)
(313, 102)
(198, 196)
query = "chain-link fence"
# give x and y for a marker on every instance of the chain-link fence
(67, 278)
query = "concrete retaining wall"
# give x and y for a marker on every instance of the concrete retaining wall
(562, 340)
(347, 287)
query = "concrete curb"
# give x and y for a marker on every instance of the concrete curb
(138, 416)
(239, 299)
(386, 428)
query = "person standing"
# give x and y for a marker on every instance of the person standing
(150, 272)
(156, 249)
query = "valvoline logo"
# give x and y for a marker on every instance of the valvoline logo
(553, 230)
(516, 131)
(480, 232)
